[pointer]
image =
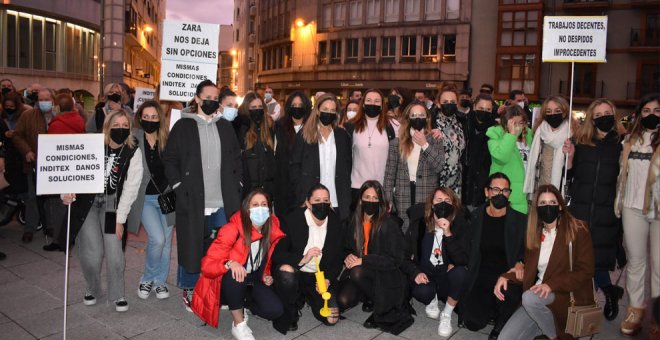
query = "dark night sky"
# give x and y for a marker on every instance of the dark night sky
(210, 11)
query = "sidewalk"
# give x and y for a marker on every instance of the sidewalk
(31, 295)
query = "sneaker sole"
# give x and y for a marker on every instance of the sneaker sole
(121, 309)
(189, 309)
(89, 303)
(433, 316)
(630, 332)
(445, 335)
(162, 296)
(142, 295)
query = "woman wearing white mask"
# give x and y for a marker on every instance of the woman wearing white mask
(228, 105)
(351, 111)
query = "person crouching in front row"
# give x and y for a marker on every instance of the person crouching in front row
(239, 262)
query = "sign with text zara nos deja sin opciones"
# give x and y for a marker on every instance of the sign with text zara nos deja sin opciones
(580, 39)
(189, 56)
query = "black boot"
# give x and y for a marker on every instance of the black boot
(368, 306)
(612, 295)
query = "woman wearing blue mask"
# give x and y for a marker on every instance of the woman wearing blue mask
(228, 105)
(240, 257)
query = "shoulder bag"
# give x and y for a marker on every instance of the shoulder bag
(582, 320)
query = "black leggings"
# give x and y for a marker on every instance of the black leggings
(299, 287)
(442, 283)
(480, 305)
(251, 293)
(359, 283)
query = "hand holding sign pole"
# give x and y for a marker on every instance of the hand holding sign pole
(574, 39)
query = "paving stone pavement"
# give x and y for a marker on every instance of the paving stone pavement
(32, 290)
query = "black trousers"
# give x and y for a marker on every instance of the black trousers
(442, 283)
(253, 294)
(480, 305)
(359, 284)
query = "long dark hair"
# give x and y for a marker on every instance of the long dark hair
(265, 133)
(565, 220)
(636, 132)
(358, 216)
(163, 130)
(287, 120)
(514, 111)
(429, 214)
(360, 120)
(246, 222)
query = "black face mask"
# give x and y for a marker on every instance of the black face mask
(449, 109)
(296, 112)
(483, 116)
(548, 213)
(244, 119)
(209, 106)
(115, 97)
(394, 101)
(34, 96)
(554, 120)
(372, 111)
(418, 123)
(6, 90)
(466, 102)
(321, 210)
(650, 122)
(327, 118)
(119, 135)
(604, 123)
(257, 115)
(10, 112)
(442, 210)
(370, 208)
(150, 127)
(499, 201)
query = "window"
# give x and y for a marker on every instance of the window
(12, 48)
(327, 16)
(237, 34)
(23, 42)
(430, 48)
(511, 2)
(287, 56)
(351, 51)
(51, 45)
(453, 9)
(411, 10)
(650, 79)
(391, 10)
(323, 52)
(519, 28)
(37, 44)
(335, 52)
(517, 71)
(449, 48)
(340, 14)
(585, 80)
(369, 50)
(373, 11)
(408, 48)
(432, 9)
(355, 13)
(388, 49)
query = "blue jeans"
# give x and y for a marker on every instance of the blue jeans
(159, 246)
(186, 280)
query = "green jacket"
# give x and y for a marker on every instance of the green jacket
(507, 160)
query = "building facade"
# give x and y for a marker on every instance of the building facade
(511, 43)
(143, 31)
(335, 46)
(226, 53)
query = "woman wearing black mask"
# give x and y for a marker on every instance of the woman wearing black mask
(546, 157)
(112, 100)
(448, 129)
(413, 162)
(397, 100)
(297, 108)
(497, 241)
(151, 137)
(593, 163)
(314, 233)
(439, 240)
(259, 167)
(100, 221)
(375, 252)
(322, 154)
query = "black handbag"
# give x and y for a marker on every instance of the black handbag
(166, 200)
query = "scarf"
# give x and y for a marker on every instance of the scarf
(556, 140)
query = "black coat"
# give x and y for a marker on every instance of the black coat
(478, 161)
(259, 169)
(305, 170)
(290, 249)
(595, 171)
(183, 164)
(514, 246)
(283, 194)
(456, 249)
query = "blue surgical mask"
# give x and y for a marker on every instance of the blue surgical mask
(45, 106)
(268, 96)
(229, 113)
(259, 215)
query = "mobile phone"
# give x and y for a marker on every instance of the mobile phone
(110, 222)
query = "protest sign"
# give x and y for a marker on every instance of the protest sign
(574, 39)
(142, 94)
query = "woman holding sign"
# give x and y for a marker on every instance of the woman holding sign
(99, 219)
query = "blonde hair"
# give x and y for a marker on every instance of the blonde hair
(107, 125)
(109, 88)
(585, 133)
(563, 106)
(405, 140)
(163, 130)
(310, 131)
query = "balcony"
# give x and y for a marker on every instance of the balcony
(586, 4)
(582, 89)
(252, 38)
(253, 10)
(644, 38)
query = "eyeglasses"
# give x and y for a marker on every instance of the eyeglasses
(498, 191)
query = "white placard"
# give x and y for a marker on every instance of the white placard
(175, 115)
(70, 164)
(189, 56)
(142, 94)
(574, 39)
(179, 80)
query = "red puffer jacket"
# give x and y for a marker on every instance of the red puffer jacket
(228, 245)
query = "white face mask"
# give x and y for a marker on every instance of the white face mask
(275, 116)
(429, 104)
(521, 104)
(229, 113)
(351, 114)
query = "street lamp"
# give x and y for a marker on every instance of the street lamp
(148, 29)
(300, 22)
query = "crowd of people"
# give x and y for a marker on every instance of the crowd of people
(469, 207)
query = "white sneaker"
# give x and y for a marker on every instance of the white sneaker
(432, 310)
(444, 329)
(162, 292)
(241, 331)
(121, 305)
(144, 290)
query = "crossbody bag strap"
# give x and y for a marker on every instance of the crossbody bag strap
(570, 261)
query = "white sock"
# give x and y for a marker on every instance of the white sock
(448, 309)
